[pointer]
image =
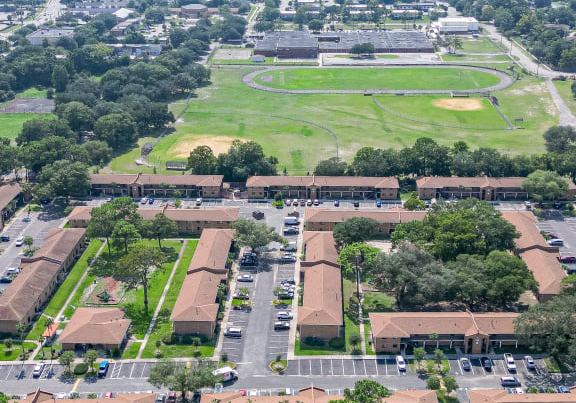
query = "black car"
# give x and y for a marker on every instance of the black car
(5, 279)
(5, 238)
(258, 215)
(486, 363)
(356, 203)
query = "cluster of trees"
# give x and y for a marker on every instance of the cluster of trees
(120, 224)
(530, 20)
(458, 253)
(428, 158)
(242, 160)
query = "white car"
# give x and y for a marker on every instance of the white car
(12, 270)
(288, 257)
(62, 395)
(20, 241)
(245, 278)
(144, 200)
(38, 368)
(510, 363)
(401, 363)
(285, 315)
(530, 363)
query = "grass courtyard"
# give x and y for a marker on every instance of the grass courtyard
(293, 127)
(11, 123)
(373, 78)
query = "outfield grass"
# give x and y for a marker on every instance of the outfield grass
(63, 292)
(164, 325)
(11, 123)
(265, 118)
(479, 45)
(565, 91)
(389, 78)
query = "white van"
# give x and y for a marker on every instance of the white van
(291, 221)
(227, 373)
(233, 332)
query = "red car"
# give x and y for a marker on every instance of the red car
(552, 235)
(171, 397)
(567, 259)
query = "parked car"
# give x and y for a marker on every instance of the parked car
(567, 259)
(290, 247)
(144, 200)
(379, 203)
(108, 395)
(227, 374)
(401, 363)
(245, 278)
(151, 201)
(465, 363)
(285, 315)
(5, 279)
(302, 202)
(356, 203)
(530, 363)
(316, 202)
(556, 242)
(248, 261)
(5, 238)
(291, 231)
(281, 325)
(288, 202)
(20, 241)
(37, 371)
(62, 395)
(563, 389)
(13, 270)
(551, 235)
(199, 201)
(509, 381)
(528, 205)
(288, 281)
(258, 215)
(486, 363)
(308, 202)
(239, 295)
(171, 397)
(233, 332)
(288, 258)
(336, 203)
(160, 398)
(295, 202)
(285, 295)
(103, 369)
(510, 363)
(291, 221)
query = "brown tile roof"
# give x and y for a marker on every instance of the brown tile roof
(96, 326)
(546, 269)
(317, 395)
(439, 182)
(395, 216)
(142, 179)
(212, 250)
(320, 247)
(525, 224)
(501, 396)
(197, 297)
(220, 214)
(38, 272)
(405, 324)
(376, 182)
(8, 193)
(80, 213)
(541, 259)
(42, 396)
(322, 299)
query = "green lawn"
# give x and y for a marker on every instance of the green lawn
(377, 302)
(479, 45)
(11, 123)
(467, 58)
(32, 93)
(556, 366)
(304, 349)
(164, 325)
(268, 61)
(132, 350)
(431, 364)
(15, 351)
(133, 300)
(389, 78)
(565, 90)
(368, 338)
(217, 116)
(350, 328)
(429, 109)
(63, 292)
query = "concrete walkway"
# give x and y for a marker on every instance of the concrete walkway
(161, 301)
(505, 81)
(566, 116)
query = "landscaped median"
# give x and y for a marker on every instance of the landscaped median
(161, 340)
(65, 289)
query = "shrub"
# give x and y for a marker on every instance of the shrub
(314, 341)
(336, 342)
(80, 368)
(197, 354)
(116, 352)
(92, 396)
(74, 395)
(187, 339)
(532, 389)
(354, 339)
(169, 338)
(224, 357)
(433, 383)
(356, 351)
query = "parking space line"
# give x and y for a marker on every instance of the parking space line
(321, 370)
(310, 362)
(299, 363)
(9, 371)
(354, 366)
(143, 368)
(364, 361)
(332, 367)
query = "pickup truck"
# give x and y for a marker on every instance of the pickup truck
(510, 363)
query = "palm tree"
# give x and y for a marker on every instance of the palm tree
(21, 328)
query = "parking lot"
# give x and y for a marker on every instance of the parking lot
(388, 367)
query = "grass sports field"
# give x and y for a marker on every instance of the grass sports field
(389, 78)
(293, 127)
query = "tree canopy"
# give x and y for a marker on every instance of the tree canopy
(545, 186)
(353, 230)
(255, 235)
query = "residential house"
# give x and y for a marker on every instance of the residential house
(322, 187)
(140, 185)
(196, 309)
(314, 394)
(39, 277)
(321, 313)
(540, 258)
(474, 333)
(95, 328)
(325, 220)
(193, 11)
(124, 27)
(139, 50)
(10, 198)
(189, 221)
